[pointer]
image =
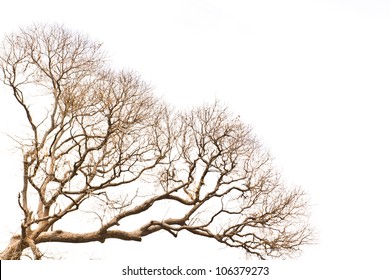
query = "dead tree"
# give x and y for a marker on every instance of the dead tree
(100, 144)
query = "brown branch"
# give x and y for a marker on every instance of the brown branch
(105, 135)
(100, 236)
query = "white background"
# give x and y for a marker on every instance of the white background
(311, 77)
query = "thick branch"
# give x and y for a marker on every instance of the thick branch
(100, 236)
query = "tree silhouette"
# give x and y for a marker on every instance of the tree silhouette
(100, 144)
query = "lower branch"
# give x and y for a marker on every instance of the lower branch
(100, 236)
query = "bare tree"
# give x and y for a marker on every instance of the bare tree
(101, 144)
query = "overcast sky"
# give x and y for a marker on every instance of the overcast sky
(311, 77)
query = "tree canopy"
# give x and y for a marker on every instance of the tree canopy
(102, 145)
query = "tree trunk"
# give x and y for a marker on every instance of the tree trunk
(14, 249)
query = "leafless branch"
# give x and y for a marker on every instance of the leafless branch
(100, 144)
